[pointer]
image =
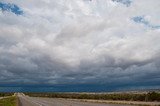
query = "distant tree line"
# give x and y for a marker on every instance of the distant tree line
(151, 96)
(5, 94)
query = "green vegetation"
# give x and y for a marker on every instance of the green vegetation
(9, 101)
(5, 94)
(151, 96)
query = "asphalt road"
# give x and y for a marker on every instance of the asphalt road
(37, 101)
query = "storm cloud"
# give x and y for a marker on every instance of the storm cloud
(110, 42)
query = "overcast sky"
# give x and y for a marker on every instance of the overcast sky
(109, 42)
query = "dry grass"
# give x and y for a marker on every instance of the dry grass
(138, 103)
(9, 101)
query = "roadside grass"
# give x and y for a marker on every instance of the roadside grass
(9, 101)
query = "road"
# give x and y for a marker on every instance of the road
(37, 101)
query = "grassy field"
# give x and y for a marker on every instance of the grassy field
(9, 101)
(150, 96)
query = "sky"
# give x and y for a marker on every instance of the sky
(87, 44)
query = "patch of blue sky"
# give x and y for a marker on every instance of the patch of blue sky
(155, 27)
(125, 2)
(142, 20)
(11, 8)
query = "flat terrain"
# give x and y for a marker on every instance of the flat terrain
(41, 101)
(8, 101)
(37, 101)
(124, 102)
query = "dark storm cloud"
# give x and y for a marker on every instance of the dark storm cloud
(80, 43)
